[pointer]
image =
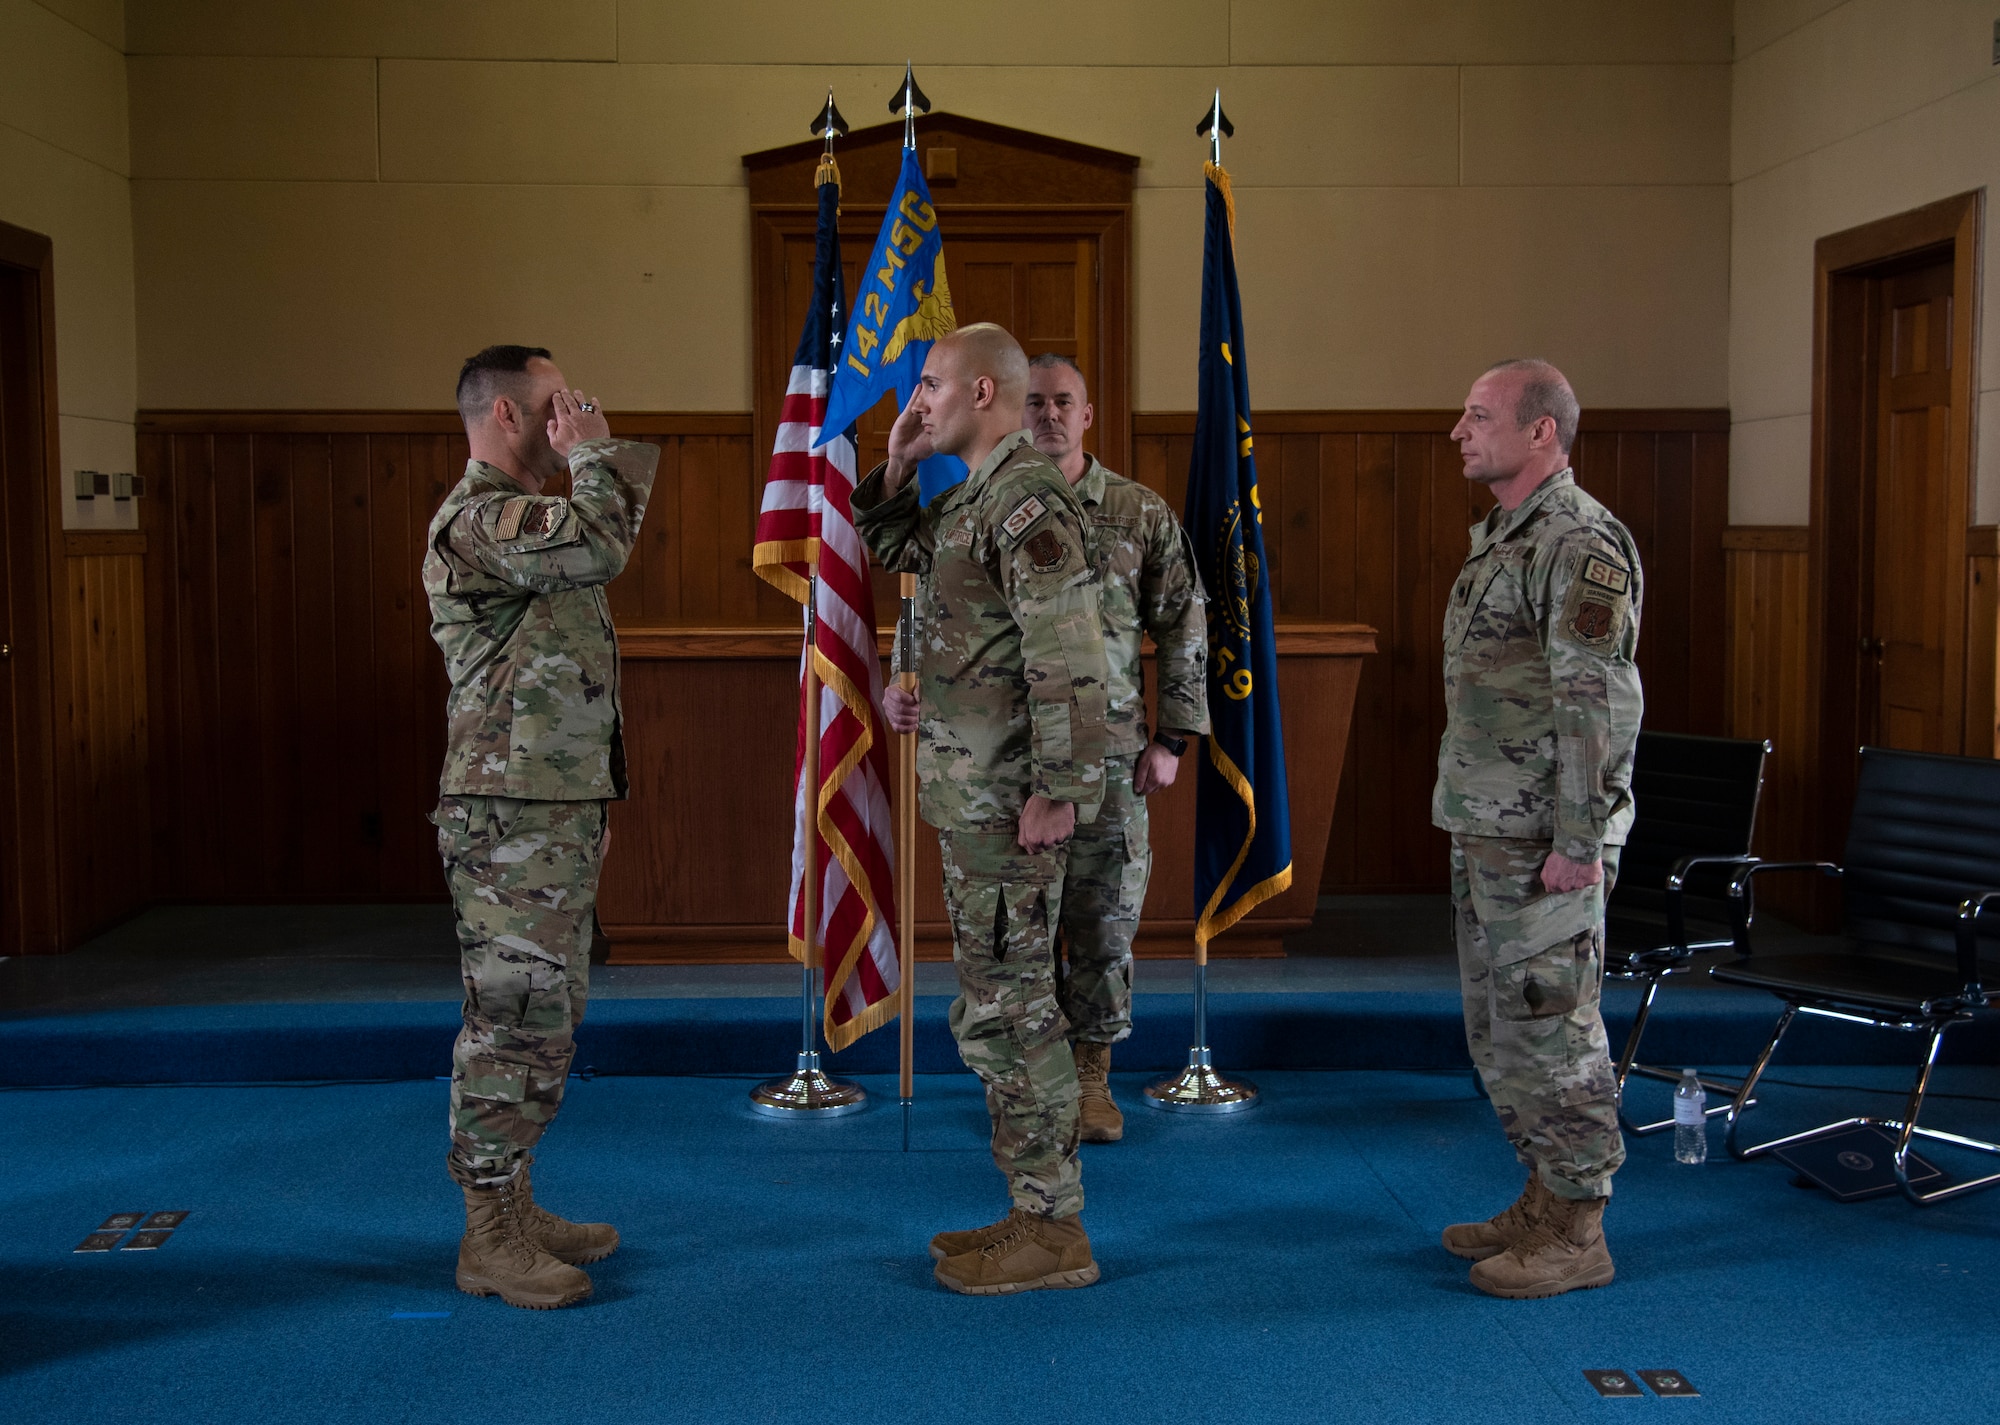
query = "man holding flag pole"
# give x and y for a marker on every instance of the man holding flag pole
(1243, 835)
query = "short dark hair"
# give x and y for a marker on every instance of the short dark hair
(1049, 359)
(490, 373)
(1545, 391)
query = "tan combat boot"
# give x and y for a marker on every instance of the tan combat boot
(566, 1241)
(1476, 1241)
(1563, 1251)
(497, 1257)
(950, 1244)
(1099, 1120)
(1034, 1253)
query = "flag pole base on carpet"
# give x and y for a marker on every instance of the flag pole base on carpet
(808, 1093)
(1198, 1088)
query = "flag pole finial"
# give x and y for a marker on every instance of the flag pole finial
(909, 101)
(1215, 127)
(829, 122)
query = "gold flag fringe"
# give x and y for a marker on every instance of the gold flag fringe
(1220, 178)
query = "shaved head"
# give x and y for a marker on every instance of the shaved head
(984, 349)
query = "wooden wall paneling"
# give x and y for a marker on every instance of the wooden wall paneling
(274, 663)
(1365, 521)
(1766, 589)
(314, 640)
(1708, 615)
(108, 864)
(355, 797)
(1982, 634)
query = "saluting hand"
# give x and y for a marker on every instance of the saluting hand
(909, 444)
(571, 425)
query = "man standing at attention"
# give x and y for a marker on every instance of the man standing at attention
(1147, 585)
(533, 757)
(1542, 708)
(1009, 711)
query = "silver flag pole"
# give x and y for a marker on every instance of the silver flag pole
(1199, 1088)
(807, 1092)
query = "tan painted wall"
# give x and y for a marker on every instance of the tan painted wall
(65, 172)
(1843, 113)
(335, 201)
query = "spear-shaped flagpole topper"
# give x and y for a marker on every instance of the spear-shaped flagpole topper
(1215, 127)
(909, 101)
(830, 123)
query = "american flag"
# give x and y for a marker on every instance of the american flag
(808, 511)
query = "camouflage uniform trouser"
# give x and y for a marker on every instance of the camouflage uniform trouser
(1531, 966)
(1109, 863)
(523, 877)
(1004, 906)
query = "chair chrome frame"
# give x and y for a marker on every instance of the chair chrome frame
(1651, 967)
(1933, 1018)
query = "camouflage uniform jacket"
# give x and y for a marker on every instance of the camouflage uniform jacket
(1011, 664)
(1542, 700)
(1149, 586)
(517, 604)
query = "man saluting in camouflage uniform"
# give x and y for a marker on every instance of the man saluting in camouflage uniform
(1542, 708)
(1009, 711)
(1148, 586)
(533, 757)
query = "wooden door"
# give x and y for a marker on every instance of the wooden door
(28, 861)
(1908, 587)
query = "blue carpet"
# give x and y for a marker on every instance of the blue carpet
(1277, 1267)
(259, 1043)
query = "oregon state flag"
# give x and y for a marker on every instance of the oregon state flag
(1243, 822)
(903, 304)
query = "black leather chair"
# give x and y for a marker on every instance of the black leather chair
(1922, 864)
(1697, 805)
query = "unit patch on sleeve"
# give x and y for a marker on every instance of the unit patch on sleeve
(546, 520)
(1025, 514)
(1593, 621)
(1046, 551)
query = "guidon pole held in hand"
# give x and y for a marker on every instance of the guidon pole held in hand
(1198, 1088)
(906, 849)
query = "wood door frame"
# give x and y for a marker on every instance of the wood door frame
(1110, 226)
(1844, 264)
(42, 547)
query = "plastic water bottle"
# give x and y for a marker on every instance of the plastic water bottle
(1690, 1120)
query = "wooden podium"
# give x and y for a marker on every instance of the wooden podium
(701, 853)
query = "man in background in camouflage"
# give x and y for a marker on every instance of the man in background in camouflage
(533, 757)
(1148, 585)
(1542, 707)
(1010, 712)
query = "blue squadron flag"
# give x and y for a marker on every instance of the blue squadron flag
(904, 306)
(1243, 820)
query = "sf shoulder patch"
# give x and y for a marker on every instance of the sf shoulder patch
(1025, 514)
(1606, 575)
(1046, 551)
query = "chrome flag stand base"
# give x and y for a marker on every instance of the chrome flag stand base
(1198, 1088)
(806, 1092)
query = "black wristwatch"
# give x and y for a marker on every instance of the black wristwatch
(1176, 745)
